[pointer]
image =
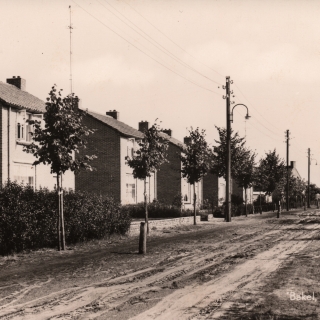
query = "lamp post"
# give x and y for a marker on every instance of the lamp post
(228, 142)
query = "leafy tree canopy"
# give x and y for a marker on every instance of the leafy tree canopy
(151, 154)
(239, 155)
(196, 157)
(270, 174)
(246, 176)
(63, 134)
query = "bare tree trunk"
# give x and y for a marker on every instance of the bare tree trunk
(63, 240)
(59, 214)
(194, 204)
(146, 205)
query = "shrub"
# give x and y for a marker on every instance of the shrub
(178, 200)
(28, 218)
(156, 209)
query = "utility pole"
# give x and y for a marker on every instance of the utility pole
(228, 164)
(308, 177)
(287, 195)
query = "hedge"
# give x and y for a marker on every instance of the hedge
(28, 218)
(156, 210)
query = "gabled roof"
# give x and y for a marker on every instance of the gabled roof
(127, 130)
(117, 125)
(15, 97)
(173, 140)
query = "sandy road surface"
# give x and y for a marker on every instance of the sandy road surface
(189, 273)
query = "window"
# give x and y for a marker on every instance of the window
(24, 174)
(24, 129)
(130, 189)
(130, 148)
(186, 191)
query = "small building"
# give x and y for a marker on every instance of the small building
(112, 141)
(214, 189)
(17, 106)
(170, 183)
(242, 193)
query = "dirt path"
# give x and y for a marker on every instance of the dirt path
(189, 273)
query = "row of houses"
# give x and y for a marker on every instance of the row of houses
(112, 141)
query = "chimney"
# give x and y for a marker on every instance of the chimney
(18, 82)
(143, 126)
(167, 131)
(114, 114)
(293, 164)
(187, 140)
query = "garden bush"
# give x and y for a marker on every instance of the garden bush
(156, 210)
(28, 218)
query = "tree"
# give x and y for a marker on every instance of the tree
(297, 186)
(314, 190)
(148, 159)
(270, 175)
(55, 144)
(239, 154)
(195, 161)
(245, 177)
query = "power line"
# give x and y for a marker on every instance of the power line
(156, 43)
(257, 109)
(172, 40)
(143, 51)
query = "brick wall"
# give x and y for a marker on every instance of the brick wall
(105, 144)
(211, 188)
(169, 176)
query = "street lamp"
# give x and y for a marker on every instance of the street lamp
(228, 173)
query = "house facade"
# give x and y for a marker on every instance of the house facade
(16, 107)
(214, 189)
(112, 141)
(241, 192)
(170, 183)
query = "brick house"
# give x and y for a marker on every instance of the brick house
(16, 107)
(239, 191)
(169, 180)
(112, 141)
(214, 189)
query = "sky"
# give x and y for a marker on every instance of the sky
(168, 60)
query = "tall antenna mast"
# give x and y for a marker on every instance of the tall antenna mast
(70, 28)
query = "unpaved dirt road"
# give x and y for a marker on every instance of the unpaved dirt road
(214, 270)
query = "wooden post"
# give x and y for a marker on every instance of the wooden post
(143, 238)
(194, 205)
(260, 203)
(279, 209)
(245, 202)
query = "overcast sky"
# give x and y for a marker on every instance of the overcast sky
(169, 59)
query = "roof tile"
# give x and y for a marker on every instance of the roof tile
(21, 99)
